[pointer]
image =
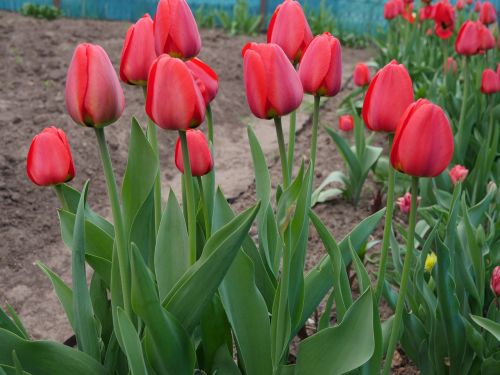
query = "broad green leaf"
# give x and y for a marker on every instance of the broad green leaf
(345, 151)
(168, 347)
(132, 343)
(202, 279)
(172, 248)
(17, 321)
(46, 357)
(17, 364)
(7, 323)
(370, 157)
(343, 348)
(224, 363)
(489, 325)
(361, 273)
(262, 176)
(320, 196)
(101, 266)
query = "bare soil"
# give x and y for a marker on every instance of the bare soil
(34, 55)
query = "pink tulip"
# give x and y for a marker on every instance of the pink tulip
(458, 174)
(404, 203)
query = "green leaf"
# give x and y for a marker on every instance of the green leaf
(489, 325)
(346, 153)
(262, 175)
(224, 363)
(17, 321)
(172, 248)
(47, 358)
(351, 341)
(132, 343)
(361, 273)
(202, 279)
(370, 157)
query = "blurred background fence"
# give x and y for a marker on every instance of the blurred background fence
(358, 16)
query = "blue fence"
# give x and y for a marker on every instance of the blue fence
(353, 15)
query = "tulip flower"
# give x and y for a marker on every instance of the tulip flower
(346, 123)
(451, 65)
(486, 38)
(272, 85)
(200, 157)
(426, 13)
(408, 13)
(430, 261)
(477, 7)
(175, 30)
(495, 281)
(458, 174)
(94, 97)
(490, 82)
(404, 203)
(391, 10)
(206, 78)
(321, 67)
(444, 19)
(460, 5)
(469, 2)
(361, 75)
(138, 52)
(289, 29)
(488, 13)
(389, 94)
(467, 42)
(423, 143)
(49, 158)
(173, 99)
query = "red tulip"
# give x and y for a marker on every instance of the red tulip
(477, 7)
(272, 85)
(346, 123)
(404, 203)
(94, 96)
(289, 29)
(451, 65)
(390, 10)
(467, 42)
(49, 158)
(200, 157)
(173, 99)
(175, 30)
(138, 52)
(460, 5)
(408, 14)
(488, 14)
(495, 281)
(486, 38)
(389, 94)
(321, 67)
(444, 18)
(206, 78)
(426, 13)
(469, 2)
(361, 75)
(490, 82)
(458, 174)
(423, 144)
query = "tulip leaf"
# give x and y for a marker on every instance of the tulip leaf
(168, 347)
(172, 249)
(132, 343)
(352, 343)
(202, 279)
(345, 151)
(46, 357)
(320, 196)
(489, 325)
(262, 175)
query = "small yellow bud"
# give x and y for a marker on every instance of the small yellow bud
(430, 261)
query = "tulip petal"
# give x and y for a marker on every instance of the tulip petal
(76, 84)
(255, 83)
(315, 64)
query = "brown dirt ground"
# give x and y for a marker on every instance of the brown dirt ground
(34, 55)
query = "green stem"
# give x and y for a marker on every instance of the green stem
(204, 208)
(460, 129)
(210, 124)
(121, 246)
(60, 195)
(387, 230)
(281, 145)
(153, 140)
(291, 142)
(190, 197)
(410, 244)
(314, 137)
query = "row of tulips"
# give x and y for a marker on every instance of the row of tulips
(174, 290)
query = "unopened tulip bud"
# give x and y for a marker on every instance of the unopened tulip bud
(346, 123)
(490, 82)
(430, 261)
(458, 174)
(361, 75)
(49, 158)
(467, 42)
(488, 13)
(495, 281)
(450, 66)
(200, 157)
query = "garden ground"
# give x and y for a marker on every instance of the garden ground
(34, 55)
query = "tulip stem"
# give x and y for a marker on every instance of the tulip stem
(281, 144)
(291, 142)
(410, 244)
(210, 124)
(153, 140)
(314, 137)
(121, 246)
(61, 197)
(460, 130)
(190, 197)
(204, 207)
(387, 230)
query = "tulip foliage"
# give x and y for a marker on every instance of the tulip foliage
(183, 284)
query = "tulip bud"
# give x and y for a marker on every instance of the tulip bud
(495, 281)
(490, 82)
(477, 7)
(389, 94)
(430, 261)
(138, 52)
(458, 174)
(390, 10)
(488, 14)
(346, 123)
(175, 30)
(451, 65)
(272, 85)
(289, 29)
(173, 99)
(404, 203)
(444, 19)
(486, 39)
(206, 78)
(49, 158)
(423, 143)
(94, 97)
(460, 5)
(361, 75)
(321, 67)
(200, 157)
(467, 42)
